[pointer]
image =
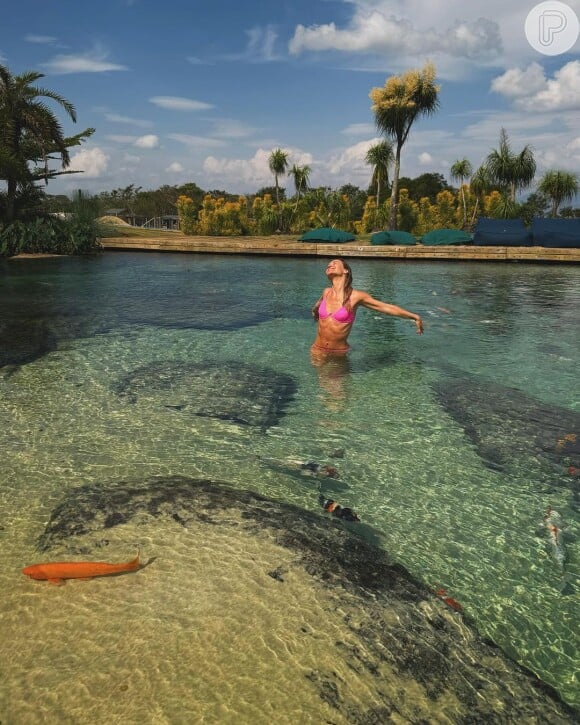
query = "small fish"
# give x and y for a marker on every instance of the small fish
(568, 438)
(453, 603)
(553, 527)
(56, 572)
(337, 510)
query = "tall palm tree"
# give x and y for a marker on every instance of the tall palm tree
(460, 171)
(278, 163)
(380, 156)
(396, 106)
(301, 176)
(480, 184)
(558, 186)
(509, 170)
(29, 130)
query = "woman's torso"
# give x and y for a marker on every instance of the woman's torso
(335, 321)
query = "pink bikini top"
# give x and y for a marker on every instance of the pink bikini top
(341, 315)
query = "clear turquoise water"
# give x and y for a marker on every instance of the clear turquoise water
(420, 485)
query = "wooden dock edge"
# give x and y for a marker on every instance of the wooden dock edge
(271, 246)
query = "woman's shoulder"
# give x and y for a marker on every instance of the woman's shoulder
(357, 295)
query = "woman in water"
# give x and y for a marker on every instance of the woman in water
(336, 309)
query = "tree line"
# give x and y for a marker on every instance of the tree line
(34, 150)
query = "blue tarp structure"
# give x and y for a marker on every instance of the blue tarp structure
(558, 233)
(327, 234)
(392, 238)
(501, 233)
(446, 236)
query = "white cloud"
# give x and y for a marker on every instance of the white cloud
(261, 43)
(425, 159)
(254, 171)
(174, 168)
(359, 129)
(176, 103)
(532, 91)
(119, 138)
(94, 61)
(40, 39)
(516, 83)
(351, 160)
(118, 118)
(149, 141)
(378, 30)
(195, 141)
(93, 162)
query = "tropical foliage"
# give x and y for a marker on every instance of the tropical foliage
(396, 106)
(278, 163)
(558, 186)
(511, 172)
(380, 156)
(31, 137)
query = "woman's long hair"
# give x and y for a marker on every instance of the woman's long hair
(347, 284)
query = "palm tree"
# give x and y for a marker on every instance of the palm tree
(278, 163)
(380, 156)
(301, 176)
(480, 184)
(29, 131)
(510, 171)
(461, 170)
(558, 186)
(396, 106)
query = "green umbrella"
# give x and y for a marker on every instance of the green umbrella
(326, 234)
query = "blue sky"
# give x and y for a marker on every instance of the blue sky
(203, 91)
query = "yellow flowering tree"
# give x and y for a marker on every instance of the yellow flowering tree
(396, 106)
(187, 215)
(218, 217)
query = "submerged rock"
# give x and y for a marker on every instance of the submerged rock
(24, 340)
(419, 660)
(241, 393)
(509, 428)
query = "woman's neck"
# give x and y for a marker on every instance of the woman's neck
(338, 289)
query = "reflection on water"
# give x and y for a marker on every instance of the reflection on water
(452, 447)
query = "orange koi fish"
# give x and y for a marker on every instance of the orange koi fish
(56, 572)
(453, 603)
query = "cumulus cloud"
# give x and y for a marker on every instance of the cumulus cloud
(94, 61)
(425, 159)
(176, 103)
(93, 162)
(149, 141)
(254, 171)
(352, 159)
(174, 168)
(532, 91)
(377, 31)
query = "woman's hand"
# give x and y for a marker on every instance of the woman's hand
(419, 324)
